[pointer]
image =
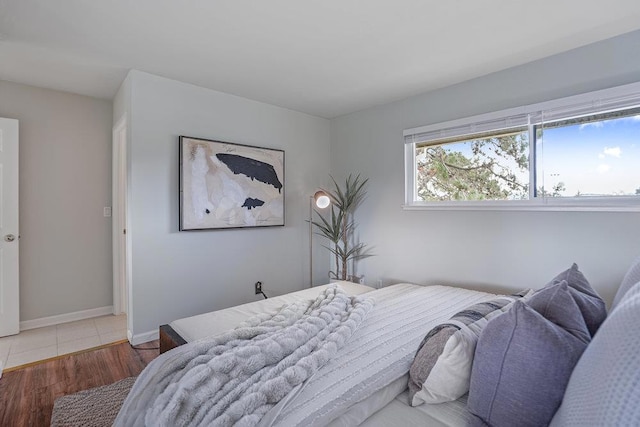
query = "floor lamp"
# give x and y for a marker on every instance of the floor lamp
(321, 200)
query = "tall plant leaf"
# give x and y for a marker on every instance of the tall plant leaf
(340, 226)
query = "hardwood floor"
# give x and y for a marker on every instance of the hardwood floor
(27, 394)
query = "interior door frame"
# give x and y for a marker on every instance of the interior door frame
(9, 263)
(121, 236)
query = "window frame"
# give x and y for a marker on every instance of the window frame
(597, 102)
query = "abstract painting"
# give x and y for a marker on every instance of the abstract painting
(227, 185)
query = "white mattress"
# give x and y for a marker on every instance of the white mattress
(217, 322)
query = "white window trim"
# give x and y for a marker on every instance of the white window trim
(598, 100)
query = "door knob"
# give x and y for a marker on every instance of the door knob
(9, 238)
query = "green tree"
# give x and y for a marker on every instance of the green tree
(481, 169)
(556, 191)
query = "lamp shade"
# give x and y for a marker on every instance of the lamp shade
(321, 199)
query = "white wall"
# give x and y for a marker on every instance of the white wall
(65, 181)
(177, 274)
(122, 102)
(485, 250)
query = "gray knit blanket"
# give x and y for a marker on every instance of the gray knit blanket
(237, 377)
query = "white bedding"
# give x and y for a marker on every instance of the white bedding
(399, 412)
(370, 372)
(236, 378)
(216, 322)
(379, 352)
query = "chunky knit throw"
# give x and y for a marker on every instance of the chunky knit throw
(237, 377)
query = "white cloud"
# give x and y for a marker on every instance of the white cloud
(612, 151)
(636, 117)
(603, 168)
(592, 124)
(601, 156)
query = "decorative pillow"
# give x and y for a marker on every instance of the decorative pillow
(552, 302)
(442, 366)
(631, 278)
(591, 305)
(523, 361)
(603, 389)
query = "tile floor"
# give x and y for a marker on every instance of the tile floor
(51, 341)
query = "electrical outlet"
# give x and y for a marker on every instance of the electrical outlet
(258, 286)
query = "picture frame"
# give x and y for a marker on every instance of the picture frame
(225, 185)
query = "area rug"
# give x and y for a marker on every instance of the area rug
(96, 407)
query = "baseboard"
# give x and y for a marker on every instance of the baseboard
(64, 318)
(143, 337)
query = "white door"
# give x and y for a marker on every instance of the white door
(9, 234)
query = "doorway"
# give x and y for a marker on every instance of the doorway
(121, 241)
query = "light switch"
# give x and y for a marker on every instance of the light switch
(107, 211)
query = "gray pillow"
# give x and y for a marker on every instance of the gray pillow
(441, 369)
(591, 304)
(523, 361)
(552, 302)
(604, 386)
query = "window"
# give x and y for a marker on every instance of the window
(596, 155)
(492, 166)
(581, 152)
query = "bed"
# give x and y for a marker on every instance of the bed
(423, 307)
(363, 381)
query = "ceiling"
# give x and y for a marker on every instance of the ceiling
(326, 58)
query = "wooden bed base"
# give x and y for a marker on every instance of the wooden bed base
(169, 339)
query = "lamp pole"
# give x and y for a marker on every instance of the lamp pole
(310, 241)
(322, 200)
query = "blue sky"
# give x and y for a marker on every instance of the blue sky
(601, 158)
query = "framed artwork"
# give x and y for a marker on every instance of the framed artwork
(226, 185)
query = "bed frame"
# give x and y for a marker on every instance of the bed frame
(169, 339)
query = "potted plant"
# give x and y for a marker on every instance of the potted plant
(339, 226)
